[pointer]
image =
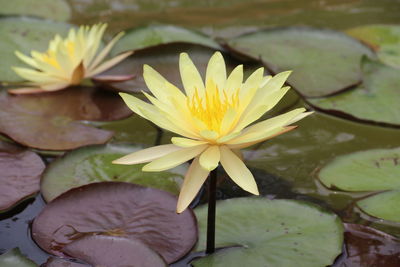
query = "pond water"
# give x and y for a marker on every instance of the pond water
(290, 162)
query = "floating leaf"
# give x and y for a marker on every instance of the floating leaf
(20, 175)
(48, 121)
(371, 170)
(323, 61)
(24, 34)
(50, 9)
(366, 246)
(99, 250)
(116, 209)
(93, 164)
(375, 101)
(14, 258)
(271, 233)
(57, 262)
(143, 37)
(383, 38)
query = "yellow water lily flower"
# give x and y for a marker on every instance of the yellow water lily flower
(213, 118)
(67, 61)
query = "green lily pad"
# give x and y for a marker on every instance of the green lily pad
(143, 37)
(93, 164)
(99, 250)
(384, 39)
(375, 101)
(275, 233)
(14, 258)
(324, 62)
(20, 175)
(368, 171)
(116, 209)
(24, 34)
(58, 10)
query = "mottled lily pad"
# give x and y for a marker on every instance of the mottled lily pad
(143, 37)
(93, 164)
(324, 62)
(14, 258)
(275, 233)
(366, 246)
(20, 175)
(368, 171)
(375, 101)
(100, 250)
(51, 9)
(383, 38)
(116, 209)
(24, 34)
(48, 121)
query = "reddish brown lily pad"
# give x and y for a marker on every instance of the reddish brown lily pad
(366, 246)
(19, 176)
(116, 209)
(48, 121)
(100, 250)
(57, 262)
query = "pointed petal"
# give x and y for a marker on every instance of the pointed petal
(238, 171)
(147, 155)
(216, 71)
(108, 64)
(190, 76)
(26, 90)
(174, 159)
(186, 142)
(35, 76)
(209, 159)
(235, 79)
(102, 55)
(28, 60)
(252, 84)
(194, 179)
(113, 78)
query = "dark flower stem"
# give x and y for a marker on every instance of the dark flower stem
(212, 192)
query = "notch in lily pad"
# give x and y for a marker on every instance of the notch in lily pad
(116, 209)
(271, 232)
(375, 171)
(93, 164)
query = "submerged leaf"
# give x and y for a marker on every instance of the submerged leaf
(14, 258)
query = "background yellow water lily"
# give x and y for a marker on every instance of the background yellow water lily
(213, 117)
(67, 61)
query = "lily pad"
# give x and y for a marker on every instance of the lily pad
(57, 262)
(20, 175)
(366, 246)
(383, 38)
(324, 62)
(51, 9)
(24, 34)
(99, 250)
(116, 209)
(14, 258)
(275, 233)
(93, 164)
(368, 171)
(375, 101)
(48, 121)
(154, 35)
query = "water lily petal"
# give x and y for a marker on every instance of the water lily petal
(147, 155)
(102, 55)
(209, 159)
(35, 76)
(235, 79)
(186, 142)
(216, 70)
(238, 171)
(194, 179)
(174, 159)
(190, 76)
(107, 64)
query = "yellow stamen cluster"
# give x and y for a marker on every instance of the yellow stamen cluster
(212, 108)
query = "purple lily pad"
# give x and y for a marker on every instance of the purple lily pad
(116, 209)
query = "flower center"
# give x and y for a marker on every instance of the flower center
(213, 106)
